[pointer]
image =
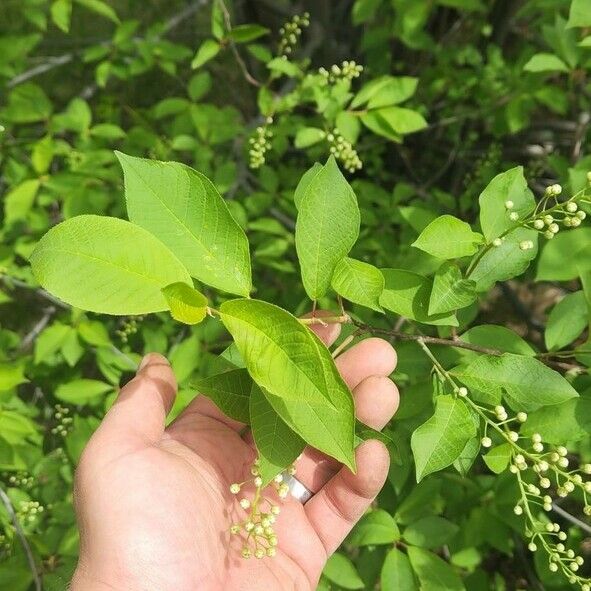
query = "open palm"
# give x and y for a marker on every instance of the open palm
(154, 505)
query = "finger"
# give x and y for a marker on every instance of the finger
(205, 407)
(337, 507)
(327, 333)
(376, 401)
(139, 413)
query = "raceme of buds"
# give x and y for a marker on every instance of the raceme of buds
(344, 151)
(348, 70)
(256, 529)
(291, 32)
(260, 144)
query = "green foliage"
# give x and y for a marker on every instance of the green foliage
(443, 150)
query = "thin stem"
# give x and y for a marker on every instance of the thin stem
(23, 539)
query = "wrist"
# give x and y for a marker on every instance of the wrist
(84, 580)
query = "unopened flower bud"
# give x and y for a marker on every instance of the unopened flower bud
(509, 204)
(486, 442)
(571, 207)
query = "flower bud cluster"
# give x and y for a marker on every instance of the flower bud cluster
(29, 511)
(128, 327)
(64, 424)
(348, 70)
(291, 32)
(20, 480)
(344, 151)
(257, 531)
(260, 144)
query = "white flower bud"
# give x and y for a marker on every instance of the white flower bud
(571, 207)
(554, 228)
(486, 442)
(544, 482)
(548, 219)
(513, 216)
(562, 536)
(509, 204)
(548, 235)
(518, 510)
(532, 547)
(245, 503)
(538, 447)
(538, 224)
(522, 417)
(575, 222)
(581, 214)
(562, 451)
(258, 481)
(536, 438)
(235, 488)
(553, 567)
(259, 553)
(563, 462)
(462, 391)
(513, 436)
(586, 468)
(246, 553)
(497, 242)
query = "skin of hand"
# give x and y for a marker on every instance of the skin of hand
(153, 503)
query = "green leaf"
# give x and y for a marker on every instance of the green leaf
(447, 237)
(393, 122)
(107, 131)
(525, 383)
(397, 573)
(497, 459)
(556, 262)
(27, 103)
(374, 528)
(434, 573)
(506, 261)
(308, 136)
(441, 439)
(466, 459)
(567, 321)
(580, 14)
(408, 294)
(507, 186)
(385, 91)
(340, 570)
(181, 207)
(450, 290)
(277, 444)
(359, 282)
(100, 7)
(247, 33)
(186, 304)
(559, 423)
(327, 227)
(20, 199)
(305, 181)
(207, 51)
(11, 376)
(106, 265)
(230, 391)
(497, 337)
(430, 532)
(83, 391)
(297, 372)
(50, 341)
(545, 62)
(61, 12)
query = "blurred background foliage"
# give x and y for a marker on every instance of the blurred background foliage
(484, 85)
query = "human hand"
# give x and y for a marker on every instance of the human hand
(154, 506)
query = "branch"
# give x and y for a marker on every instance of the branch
(566, 515)
(23, 539)
(37, 328)
(11, 281)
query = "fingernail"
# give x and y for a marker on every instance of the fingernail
(145, 360)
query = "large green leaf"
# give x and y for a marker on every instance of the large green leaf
(327, 227)
(431, 531)
(556, 262)
(545, 62)
(359, 282)
(580, 14)
(441, 439)
(397, 574)
(507, 186)
(305, 181)
(376, 527)
(340, 570)
(297, 372)
(434, 573)
(447, 237)
(277, 444)
(182, 208)
(393, 122)
(408, 294)
(567, 321)
(230, 391)
(568, 421)
(524, 382)
(385, 91)
(106, 265)
(450, 290)
(497, 459)
(83, 391)
(506, 261)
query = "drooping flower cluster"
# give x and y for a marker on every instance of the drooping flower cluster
(64, 424)
(291, 32)
(260, 144)
(348, 70)
(259, 537)
(29, 511)
(128, 327)
(344, 151)
(22, 480)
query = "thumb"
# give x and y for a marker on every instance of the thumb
(139, 413)
(327, 333)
